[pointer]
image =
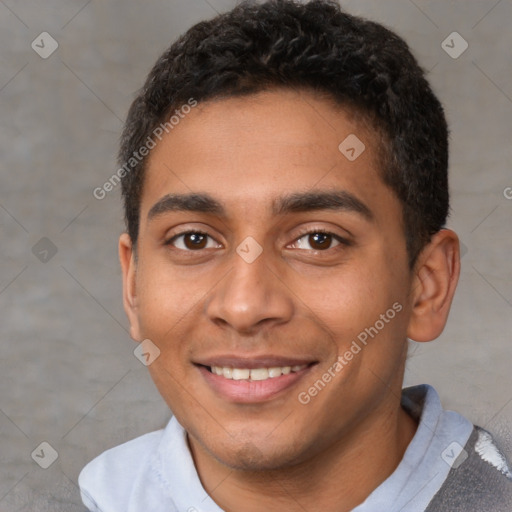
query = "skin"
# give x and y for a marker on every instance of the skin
(298, 298)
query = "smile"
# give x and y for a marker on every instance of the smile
(255, 373)
(252, 380)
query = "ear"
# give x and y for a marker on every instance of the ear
(129, 267)
(433, 286)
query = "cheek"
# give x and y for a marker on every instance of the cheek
(346, 299)
(169, 381)
(362, 306)
(164, 298)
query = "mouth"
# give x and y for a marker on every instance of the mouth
(255, 380)
(255, 373)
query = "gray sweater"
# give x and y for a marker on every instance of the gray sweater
(480, 479)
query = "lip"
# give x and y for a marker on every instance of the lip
(250, 362)
(248, 391)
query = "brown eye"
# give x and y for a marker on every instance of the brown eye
(318, 241)
(192, 241)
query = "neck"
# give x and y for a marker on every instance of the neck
(338, 479)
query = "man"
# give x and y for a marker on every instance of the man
(285, 186)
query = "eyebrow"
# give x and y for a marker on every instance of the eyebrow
(202, 203)
(339, 200)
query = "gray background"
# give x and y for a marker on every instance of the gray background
(67, 371)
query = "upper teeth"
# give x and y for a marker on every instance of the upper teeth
(255, 373)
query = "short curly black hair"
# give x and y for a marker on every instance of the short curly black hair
(359, 64)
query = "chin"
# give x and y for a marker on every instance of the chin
(258, 455)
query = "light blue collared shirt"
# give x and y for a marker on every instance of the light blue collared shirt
(155, 472)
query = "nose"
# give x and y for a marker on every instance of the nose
(250, 297)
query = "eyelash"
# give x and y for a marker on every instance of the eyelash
(302, 234)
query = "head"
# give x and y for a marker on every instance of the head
(357, 64)
(308, 157)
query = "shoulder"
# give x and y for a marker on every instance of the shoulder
(108, 479)
(480, 478)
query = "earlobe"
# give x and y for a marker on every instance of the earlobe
(130, 299)
(433, 287)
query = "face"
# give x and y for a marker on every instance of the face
(272, 275)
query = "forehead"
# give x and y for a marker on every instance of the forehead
(247, 151)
